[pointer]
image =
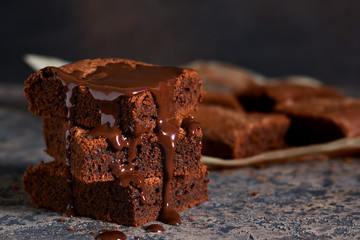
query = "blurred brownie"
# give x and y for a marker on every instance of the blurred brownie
(223, 100)
(86, 152)
(263, 98)
(95, 83)
(220, 77)
(233, 134)
(317, 120)
(108, 200)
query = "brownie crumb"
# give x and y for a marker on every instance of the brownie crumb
(254, 193)
(261, 179)
(105, 230)
(93, 232)
(72, 229)
(191, 218)
(116, 229)
(261, 166)
(205, 224)
(63, 220)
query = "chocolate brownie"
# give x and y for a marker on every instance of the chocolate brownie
(222, 99)
(222, 77)
(138, 108)
(87, 152)
(233, 134)
(317, 120)
(115, 83)
(263, 98)
(108, 200)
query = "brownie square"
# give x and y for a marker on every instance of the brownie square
(225, 78)
(318, 120)
(233, 134)
(222, 99)
(263, 98)
(109, 201)
(91, 159)
(46, 93)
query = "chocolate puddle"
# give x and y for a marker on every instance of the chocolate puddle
(107, 84)
(154, 228)
(111, 235)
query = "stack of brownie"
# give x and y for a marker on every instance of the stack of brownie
(254, 116)
(125, 147)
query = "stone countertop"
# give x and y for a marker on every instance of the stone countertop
(302, 200)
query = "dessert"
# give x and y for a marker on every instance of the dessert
(263, 98)
(220, 77)
(87, 151)
(50, 90)
(113, 126)
(234, 134)
(223, 100)
(108, 200)
(317, 120)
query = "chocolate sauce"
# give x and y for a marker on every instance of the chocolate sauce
(111, 235)
(70, 211)
(127, 174)
(114, 80)
(154, 228)
(117, 139)
(191, 125)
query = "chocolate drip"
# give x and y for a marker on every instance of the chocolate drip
(127, 174)
(70, 88)
(154, 228)
(107, 84)
(124, 173)
(168, 131)
(111, 235)
(191, 125)
(117, 139)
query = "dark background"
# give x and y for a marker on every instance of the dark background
(320, 38)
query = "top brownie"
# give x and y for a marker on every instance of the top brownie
(95, 89)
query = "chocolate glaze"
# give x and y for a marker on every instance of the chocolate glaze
(154, 228)
(128, 173)
(191, 125)
(111, 235)
(70, 211)
(107, 84)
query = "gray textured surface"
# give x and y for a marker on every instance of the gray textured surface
(312, 200)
